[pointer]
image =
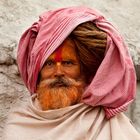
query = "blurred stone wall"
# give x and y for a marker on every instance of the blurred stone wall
(16, 16)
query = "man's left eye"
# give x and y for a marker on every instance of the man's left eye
(67, 63)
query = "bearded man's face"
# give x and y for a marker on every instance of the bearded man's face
(61, 82)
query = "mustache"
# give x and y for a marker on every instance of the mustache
(65, 82)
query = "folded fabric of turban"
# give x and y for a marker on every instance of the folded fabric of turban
(114, 84)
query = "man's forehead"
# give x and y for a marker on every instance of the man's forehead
(65, 51)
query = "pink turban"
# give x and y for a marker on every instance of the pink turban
(114, 84)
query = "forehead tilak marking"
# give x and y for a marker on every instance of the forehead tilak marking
(58, 54)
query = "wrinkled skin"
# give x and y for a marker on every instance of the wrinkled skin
(61, 82)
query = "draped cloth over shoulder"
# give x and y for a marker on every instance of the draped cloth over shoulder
(77, 122)
(114, 84)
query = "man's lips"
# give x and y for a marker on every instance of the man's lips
(59, 84)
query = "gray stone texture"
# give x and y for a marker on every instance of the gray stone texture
(16, 16)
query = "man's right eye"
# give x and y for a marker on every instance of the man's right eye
(49, 63)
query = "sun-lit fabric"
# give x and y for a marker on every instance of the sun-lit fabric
(114, 84)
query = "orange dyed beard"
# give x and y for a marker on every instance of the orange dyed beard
(59, 97)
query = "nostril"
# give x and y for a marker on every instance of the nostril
(59, 75)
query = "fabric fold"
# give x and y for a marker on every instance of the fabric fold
(77, 122)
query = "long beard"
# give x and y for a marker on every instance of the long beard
(59, 93)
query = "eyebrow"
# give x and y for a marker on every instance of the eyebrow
(63, 59)
(72, 60)
(49, 60)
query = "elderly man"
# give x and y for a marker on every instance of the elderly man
(81, 77)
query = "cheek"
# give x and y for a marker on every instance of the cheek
(45, 73)
(73, 72)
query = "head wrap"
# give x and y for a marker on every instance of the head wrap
(114, 84)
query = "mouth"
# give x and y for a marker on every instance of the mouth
(59, 84)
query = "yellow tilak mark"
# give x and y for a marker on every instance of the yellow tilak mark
(58, 63)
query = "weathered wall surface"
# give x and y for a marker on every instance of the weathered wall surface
(16, 16)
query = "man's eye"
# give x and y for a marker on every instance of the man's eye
(49, 63)
(67, 63)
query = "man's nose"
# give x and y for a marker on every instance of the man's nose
(59, 70)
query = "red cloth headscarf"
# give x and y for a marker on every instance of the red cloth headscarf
(114, 84)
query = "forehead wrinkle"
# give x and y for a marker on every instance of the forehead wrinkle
(69, 53)
(66, 51)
